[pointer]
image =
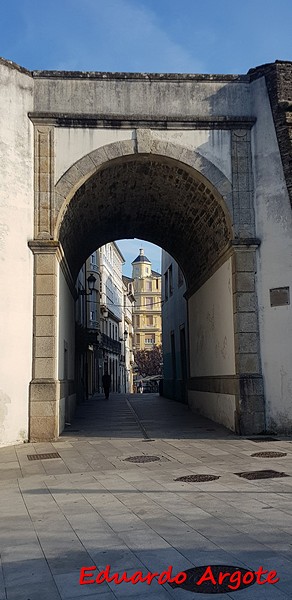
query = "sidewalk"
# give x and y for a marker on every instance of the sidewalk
(90, 506)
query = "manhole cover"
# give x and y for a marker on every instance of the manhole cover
(265, 474)
(257, 440)
(197, 478)
(269, 454)
(241, 578)
(43, 456)
(142, 459)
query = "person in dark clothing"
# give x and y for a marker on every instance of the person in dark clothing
(106, 382)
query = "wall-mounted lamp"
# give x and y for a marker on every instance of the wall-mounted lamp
(124, 338)
(104, 312)
(91, 285)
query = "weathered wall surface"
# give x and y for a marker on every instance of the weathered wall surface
(211, 341)
(124, 94)
(211, 329)
(217, 407)
(72, 144)
(16, 262)
(274, 268)
(66, 351)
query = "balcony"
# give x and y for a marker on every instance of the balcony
(110, 344)
(93, 324)
(94, 268)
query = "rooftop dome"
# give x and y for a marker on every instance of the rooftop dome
(141, 258)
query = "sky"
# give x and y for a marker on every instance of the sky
(206, 36)
(130, 249)
(188, 36)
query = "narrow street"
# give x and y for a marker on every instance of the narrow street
(91, 506)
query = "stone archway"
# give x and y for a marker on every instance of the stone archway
(158, 191)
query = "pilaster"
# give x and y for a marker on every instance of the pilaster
(44, 181)
(250, 392)
(242, 184)
(44, 387)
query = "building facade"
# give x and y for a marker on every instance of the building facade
(147, 308)
(127, 336)
(104, 329)
(174, 330)
(199, 165)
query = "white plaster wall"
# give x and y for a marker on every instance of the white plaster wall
(214, 145)
(211, 329)
(218, 407)
(73, 144)
(66, 332)
(16, 260)
(274, 268)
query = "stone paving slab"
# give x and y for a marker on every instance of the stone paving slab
(90, 507)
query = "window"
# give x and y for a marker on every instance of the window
(149, 321)
(93, 259)
(170, 281)
(166, 286)
(148, 302)
(180, 277)
(173, 355)
(148, 286)
(137, 321)
(157, 284)
(149, 340)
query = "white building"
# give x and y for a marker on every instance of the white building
(104, 328)
(112, 301)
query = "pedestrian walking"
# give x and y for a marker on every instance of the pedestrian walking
(140, 387)
(106, 382)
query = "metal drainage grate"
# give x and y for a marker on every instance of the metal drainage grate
(257, 440)
(208, 587)
(142, 459)
(269, 454)
(197, 478)
(265, 474)
(43, 456)
(148, 440)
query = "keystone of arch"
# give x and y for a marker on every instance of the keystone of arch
(142, 144)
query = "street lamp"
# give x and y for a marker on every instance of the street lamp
(91, 285)
(124, 338)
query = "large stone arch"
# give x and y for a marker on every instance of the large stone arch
(146, 188)
(143, 143)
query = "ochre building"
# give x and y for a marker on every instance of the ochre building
(147, 308)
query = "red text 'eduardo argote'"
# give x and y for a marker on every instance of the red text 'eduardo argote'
(234, 579)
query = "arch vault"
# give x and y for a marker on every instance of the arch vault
(164, 193)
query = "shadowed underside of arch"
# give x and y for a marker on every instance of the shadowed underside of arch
(153, 198)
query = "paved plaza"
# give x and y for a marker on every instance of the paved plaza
(91, 506)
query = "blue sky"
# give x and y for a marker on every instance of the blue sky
(196, 36)
(211, 36)
(130, 250)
